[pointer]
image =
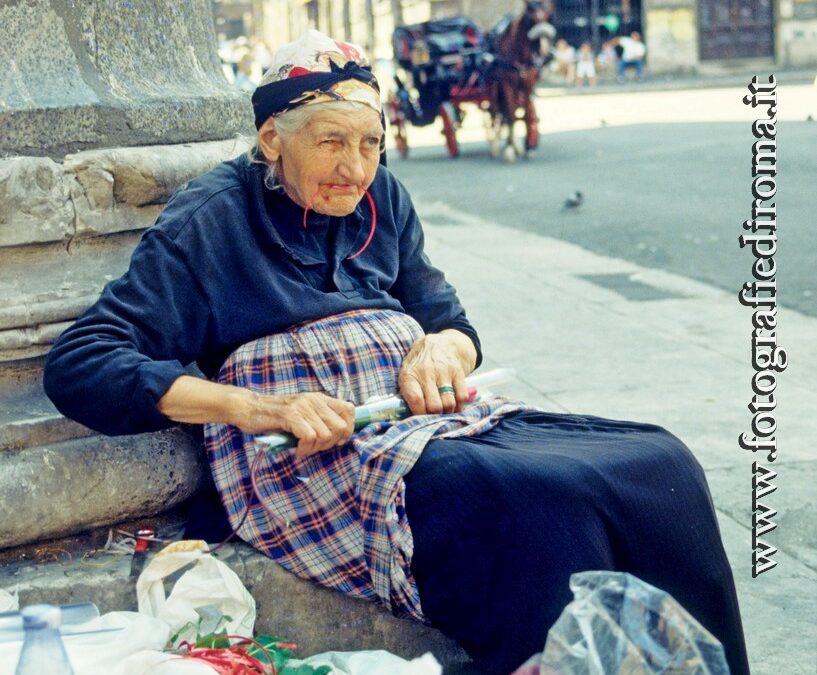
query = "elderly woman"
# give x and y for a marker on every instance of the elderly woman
(295, 278)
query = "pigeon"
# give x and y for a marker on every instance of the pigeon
(573, 201)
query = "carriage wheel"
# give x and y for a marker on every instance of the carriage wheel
(400, 138)
(532, 126)
(448, 114)
(397, 120)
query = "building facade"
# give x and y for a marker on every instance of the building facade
(681, 35)
(707, 35)
(369, 23)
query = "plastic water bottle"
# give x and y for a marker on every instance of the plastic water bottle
(43, 651)
(11, 623)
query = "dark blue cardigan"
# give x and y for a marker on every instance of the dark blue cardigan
(227, 262)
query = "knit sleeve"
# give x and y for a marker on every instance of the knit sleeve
(109, 369)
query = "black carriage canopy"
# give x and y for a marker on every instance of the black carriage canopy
(429, 41)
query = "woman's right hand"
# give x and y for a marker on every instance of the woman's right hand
(318, 421)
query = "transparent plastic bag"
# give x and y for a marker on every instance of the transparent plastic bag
(618, 624)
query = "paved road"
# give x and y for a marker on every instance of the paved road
(666, 181)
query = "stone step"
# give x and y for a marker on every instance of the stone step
(44, 287)
(315, 618)
(27, 417)
(151, 75)
(48, 429)
(67, 229)
(60, 488)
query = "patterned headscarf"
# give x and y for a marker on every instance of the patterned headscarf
(315, 69)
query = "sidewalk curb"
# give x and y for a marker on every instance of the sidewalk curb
(679, 82)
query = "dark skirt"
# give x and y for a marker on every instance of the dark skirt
(501, 521)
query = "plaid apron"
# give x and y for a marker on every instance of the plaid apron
(336, 517)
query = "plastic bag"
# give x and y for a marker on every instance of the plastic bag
(208, 588)
(8, 602)
(374, 662)
(209, 583)
(160, 663)
(99, 653)
(619, 624)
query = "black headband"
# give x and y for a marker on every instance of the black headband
(282, 95)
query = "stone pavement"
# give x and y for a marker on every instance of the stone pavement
(597, 335)
(737, 75)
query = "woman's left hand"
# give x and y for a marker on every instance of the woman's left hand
(432, 378)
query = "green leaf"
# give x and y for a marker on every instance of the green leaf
(279, 655)
(213, 640)
(305, 669)
(282, 657)
(189, 626)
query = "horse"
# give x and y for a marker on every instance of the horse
(512, 75)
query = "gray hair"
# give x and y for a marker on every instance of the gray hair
(289, 123)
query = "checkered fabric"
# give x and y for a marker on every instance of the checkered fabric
(336, 517)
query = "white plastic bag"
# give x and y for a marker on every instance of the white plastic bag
(8, 602)
(160, 663)
(208, 583)
(374, 662)
(99, 653)
(137, 648)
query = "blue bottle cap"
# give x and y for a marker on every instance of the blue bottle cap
(41, 616)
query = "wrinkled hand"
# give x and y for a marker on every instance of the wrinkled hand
(434, 361)
(318, 421)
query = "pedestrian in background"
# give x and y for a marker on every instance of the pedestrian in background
(244, 77)
(632, 56)
(585, 65)
(607, 59)
(565, 61)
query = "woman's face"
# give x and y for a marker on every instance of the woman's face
(328, 164)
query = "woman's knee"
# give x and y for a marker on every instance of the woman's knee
(666, 448)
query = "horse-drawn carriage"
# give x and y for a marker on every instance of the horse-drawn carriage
(451, 62)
